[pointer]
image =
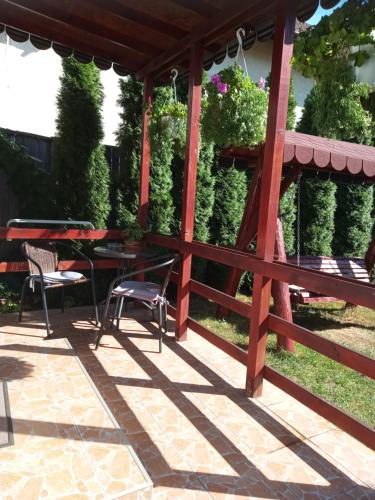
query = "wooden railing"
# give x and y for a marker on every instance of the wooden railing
(350, 290)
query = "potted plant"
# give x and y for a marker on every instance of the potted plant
(234, 109)
(133, 236)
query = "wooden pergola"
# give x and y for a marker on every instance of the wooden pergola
(148, 39)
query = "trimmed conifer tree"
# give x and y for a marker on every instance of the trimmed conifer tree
(161, 211)
(80, 168)
(353, 220)
(288, 212)
(318, 204)
(126, 181)
(230, 198)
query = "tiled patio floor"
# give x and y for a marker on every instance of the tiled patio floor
(183, 412)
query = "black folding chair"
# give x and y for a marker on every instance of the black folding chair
(152, 295)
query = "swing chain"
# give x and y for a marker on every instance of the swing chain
(299, 218)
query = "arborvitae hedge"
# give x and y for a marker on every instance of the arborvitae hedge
(126, 181)
(80, 167)
(353, 219)
(230, 198)
(161, 211)
(288, 211)
(205, 195)
(318, 204)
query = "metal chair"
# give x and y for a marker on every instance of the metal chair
(43, 268)
(150, 294)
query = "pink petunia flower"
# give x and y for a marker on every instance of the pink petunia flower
(215, 79)
(222, 87)
(262, 83)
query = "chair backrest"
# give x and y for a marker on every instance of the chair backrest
(43, 255)
(170, 263)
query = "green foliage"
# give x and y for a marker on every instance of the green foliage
(323, 51)
(230, 198)
(292, 103)
(353, 225)
(129, 142)
(80, 167)
(237, 117)
(171, 115)
(30, 184)
(162, 142)
(288, 212)
(133, 231)
(339, 113)
(318, 206)
(205, 195)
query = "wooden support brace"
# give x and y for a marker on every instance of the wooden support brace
(190, 178)
(270, 190)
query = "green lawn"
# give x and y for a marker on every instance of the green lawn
(354, 328)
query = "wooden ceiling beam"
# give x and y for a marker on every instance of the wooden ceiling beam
(86, 16)
(201, 7)
(24, 19)
(233, 16)
(138, 17)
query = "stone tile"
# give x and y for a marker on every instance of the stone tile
(349, 452)
(184, 420)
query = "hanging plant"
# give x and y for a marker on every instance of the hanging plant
(171, 115)
(235, 109)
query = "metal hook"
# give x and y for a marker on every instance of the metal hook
(240, 32)
(174, 75)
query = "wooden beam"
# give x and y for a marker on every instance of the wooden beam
(270, 189)
(343, 355)
(64, 265)
(208, 31)
(25, 19)
(97, 21)
(327, 410)
(18, 233)
(201, 7)
(141, 18)
(145, 153)
(221, 298)
(215, 339)
(190, 179)
(346, 289)
(281, 294)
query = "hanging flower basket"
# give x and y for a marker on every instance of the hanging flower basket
(235, 109)
(171, 116)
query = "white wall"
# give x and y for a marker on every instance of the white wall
(29, 82)
(258, 61)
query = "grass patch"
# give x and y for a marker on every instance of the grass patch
(354, 328)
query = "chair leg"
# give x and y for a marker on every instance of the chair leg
(45, 308)
(121, 304)
(95, 305)
(23, 292)
(160, 307)
(62, 299)
(102, 326)
(165, 318)
(115, 313)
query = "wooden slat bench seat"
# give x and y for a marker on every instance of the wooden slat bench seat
(347, 267)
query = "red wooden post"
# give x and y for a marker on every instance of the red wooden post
(270, 189)
(280, 292)
(145, 154)
(190, 177)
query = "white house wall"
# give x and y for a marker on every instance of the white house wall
(29, 82)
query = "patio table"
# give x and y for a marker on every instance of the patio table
(123, 255)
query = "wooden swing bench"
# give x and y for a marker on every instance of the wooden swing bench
(347, 267)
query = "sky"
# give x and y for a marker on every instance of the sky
(323, 12)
